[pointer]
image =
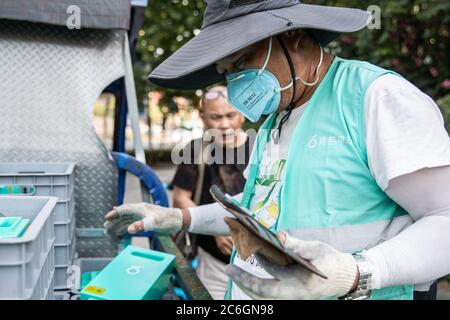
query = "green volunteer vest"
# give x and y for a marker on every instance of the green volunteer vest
(328, 193)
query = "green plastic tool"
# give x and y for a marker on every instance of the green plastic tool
(135, 274)
(12, 227)
(17, 189)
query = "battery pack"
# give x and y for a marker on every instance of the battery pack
(135, 274)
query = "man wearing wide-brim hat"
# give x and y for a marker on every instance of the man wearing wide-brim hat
(351, 167)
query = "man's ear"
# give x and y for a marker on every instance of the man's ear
(294, 39)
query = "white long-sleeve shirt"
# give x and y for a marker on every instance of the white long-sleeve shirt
(409, 157)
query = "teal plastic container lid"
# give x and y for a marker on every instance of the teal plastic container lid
(12, 227)
(135, 274)
(87, 277)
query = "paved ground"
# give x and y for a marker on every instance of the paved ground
(166, 172)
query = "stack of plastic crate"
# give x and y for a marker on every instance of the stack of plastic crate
(56, 180)
(27, 259)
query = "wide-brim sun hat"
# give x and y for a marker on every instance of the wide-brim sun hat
(231, 25)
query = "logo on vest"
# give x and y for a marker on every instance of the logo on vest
(317, 141)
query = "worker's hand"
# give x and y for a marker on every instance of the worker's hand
(225, 244)
(296, 282)
(138, 217)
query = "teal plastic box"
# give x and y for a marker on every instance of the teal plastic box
(135, 274)
(12, 227)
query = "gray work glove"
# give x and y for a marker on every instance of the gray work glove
(139, 217)
(295, 281)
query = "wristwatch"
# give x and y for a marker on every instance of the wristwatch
(363, 289)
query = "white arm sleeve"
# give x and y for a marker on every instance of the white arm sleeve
(420, 253)
(208, 219)
(409, 156)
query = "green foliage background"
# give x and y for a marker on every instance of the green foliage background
(167, 26)
(413, 40)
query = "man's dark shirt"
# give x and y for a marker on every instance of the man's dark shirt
(227, 174)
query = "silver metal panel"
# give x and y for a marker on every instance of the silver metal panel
(50, 78)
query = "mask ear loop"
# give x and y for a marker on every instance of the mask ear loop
(286, 87)
(266, 62)
(237, 78)
(312, 84)
(291, 106)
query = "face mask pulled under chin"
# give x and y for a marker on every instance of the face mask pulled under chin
(255, 92)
